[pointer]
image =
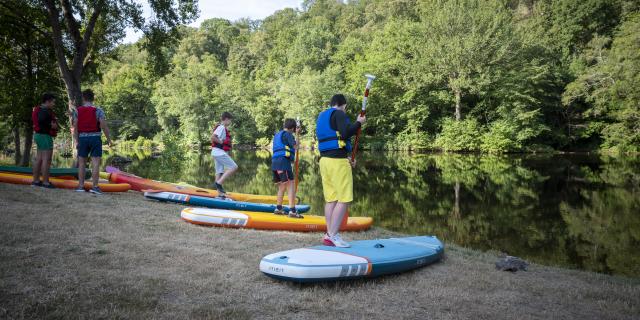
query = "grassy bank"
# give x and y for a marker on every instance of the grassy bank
(70, 255)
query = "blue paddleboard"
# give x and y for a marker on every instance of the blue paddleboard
(366, 258)
(218, 203)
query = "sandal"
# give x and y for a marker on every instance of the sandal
(295, 215)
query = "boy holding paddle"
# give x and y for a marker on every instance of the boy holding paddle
(334, 131)
(284, 152)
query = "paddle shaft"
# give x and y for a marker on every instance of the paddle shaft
(297, 153)
(362, 113)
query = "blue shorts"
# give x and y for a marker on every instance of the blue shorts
(90, 146)
(282, 171)
(281, 163)
(280, 176)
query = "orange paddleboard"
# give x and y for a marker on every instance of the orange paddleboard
(266, 221)
(63, 183)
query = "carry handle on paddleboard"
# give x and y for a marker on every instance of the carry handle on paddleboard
(370, 79)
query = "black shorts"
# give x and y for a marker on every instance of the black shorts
(280, 176)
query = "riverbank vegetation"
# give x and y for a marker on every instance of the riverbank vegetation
(491, 76)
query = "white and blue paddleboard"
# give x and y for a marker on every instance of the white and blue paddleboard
(218, 203)
(366, 258)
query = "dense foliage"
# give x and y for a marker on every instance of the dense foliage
(55, 46)
(466, 75)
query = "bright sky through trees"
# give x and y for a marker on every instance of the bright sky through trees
(230, 10)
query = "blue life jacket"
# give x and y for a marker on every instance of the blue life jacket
(329, 139)
(281, 148)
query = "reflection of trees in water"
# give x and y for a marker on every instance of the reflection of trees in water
(605, 225)
(494, 194)
(508, 203)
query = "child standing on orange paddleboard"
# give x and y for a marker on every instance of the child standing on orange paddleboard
(284, 152)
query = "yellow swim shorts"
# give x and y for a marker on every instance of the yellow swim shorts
(337, 181)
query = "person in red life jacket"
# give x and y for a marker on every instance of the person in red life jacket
(220, 146)
(284, 152)
(45, 127)
(89, 122)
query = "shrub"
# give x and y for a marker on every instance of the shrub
(459, 135)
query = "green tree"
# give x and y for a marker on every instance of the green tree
(609, 86)
(81, 30)
(125, 92)
(184, 99)
(457, 75)
(27, 70)
(465, 42)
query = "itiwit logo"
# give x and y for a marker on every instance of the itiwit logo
(276, 269)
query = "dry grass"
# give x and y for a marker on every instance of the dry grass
(70, 255)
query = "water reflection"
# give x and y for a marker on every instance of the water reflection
(579, 211)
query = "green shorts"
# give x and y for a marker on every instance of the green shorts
(44, 142)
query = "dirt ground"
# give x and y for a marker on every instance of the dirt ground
(71, 255)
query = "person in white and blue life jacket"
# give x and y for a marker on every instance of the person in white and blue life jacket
(284, 152)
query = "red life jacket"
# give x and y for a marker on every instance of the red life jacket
(36, 126)
(87, 119)
(226, 144)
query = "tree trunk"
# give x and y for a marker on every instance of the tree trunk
(74, 91)
(31, 87)
(28, 143)
(16, 141)
(458, 99)
(71, 75)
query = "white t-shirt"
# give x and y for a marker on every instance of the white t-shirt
(221, 133)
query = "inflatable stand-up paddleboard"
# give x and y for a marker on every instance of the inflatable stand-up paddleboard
(266, 221)
(217, 203)
(63, 173)
(366, 258)
(141, 184)
(63, 183)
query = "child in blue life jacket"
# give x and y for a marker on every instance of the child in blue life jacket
(284, 151)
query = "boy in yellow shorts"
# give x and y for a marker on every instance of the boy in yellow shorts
(334, 131)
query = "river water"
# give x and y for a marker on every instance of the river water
(576, 211)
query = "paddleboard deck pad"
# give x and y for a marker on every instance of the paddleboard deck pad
(366, 258)
(217, 203)
(266, 221)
